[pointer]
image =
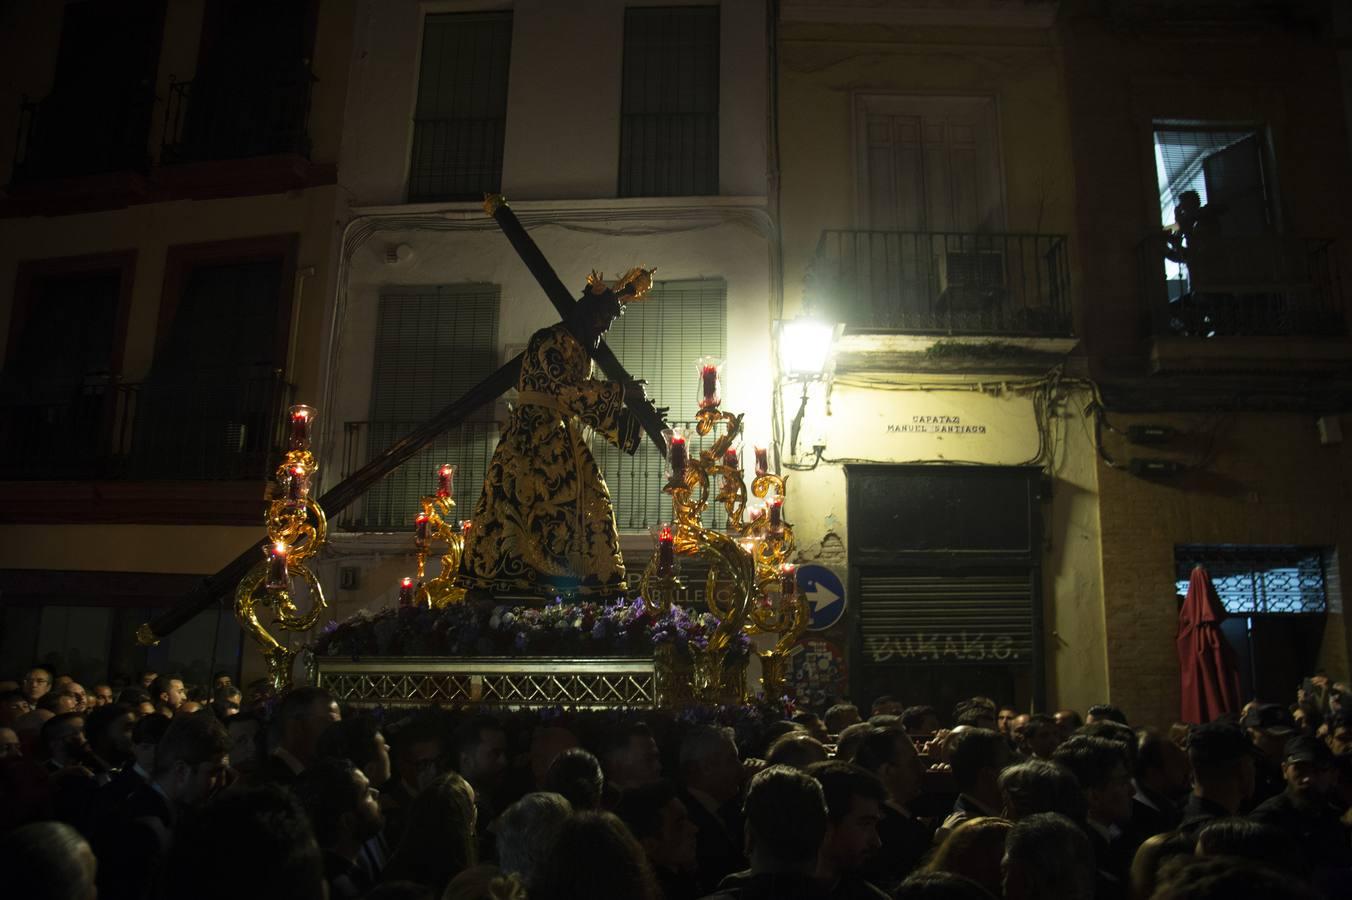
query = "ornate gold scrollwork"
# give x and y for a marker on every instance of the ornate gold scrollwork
(441, 591)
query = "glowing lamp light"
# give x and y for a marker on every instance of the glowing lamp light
(406, 591)
(420, 527)
(666, 552)
(278, 576)
(805, 347)
(445, 480)
(302, 417)
(788, 579)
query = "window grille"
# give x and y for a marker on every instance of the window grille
(432, 345)
(1251, 580)
(461, 112)
(659, 340)
(669, 102)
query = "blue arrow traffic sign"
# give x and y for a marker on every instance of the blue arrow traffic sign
(825, 596)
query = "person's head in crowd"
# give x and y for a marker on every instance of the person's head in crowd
(526, 832)
(977, 756)
(1269, 726)
(1100, 766)
(258, 692)
(222, 680)
(439, 835)
(265, 830)
(595, 856)
(886, 705)
(78, 695)
(1162, 767)
(1340, 733)
(358, 740)
(1047, 857)
(138, 699)
(342, 806)
(482, 882)
(841, 716)
(109, 729)
(1307, 768)
(37, 681)
(187, 708)
(147, 678)
(920, 720)
(786, 821)
(975, 714)
(576, 776)
(1041, 736)
(940, 886)
(192, 761)
(709, 763)
(303, 715)
(661, 824)
(847, 742)
(101, 695)
(145, 737)
(773, 731)
(47, 861)
(63, 739)
(1004, 720)
(629, 756)
(546, 743)
(480, 751)
(1222, 765)
(417, 747)
(246, 732)
(10, 746)
(58, 701)
(1037, 786)
(798, 749)
(890, 754)
(854, 804)
(1101, 712)
(13, 704)
(974, 849)
(813, 725)
(1151, 856)
(1227, 879)
(225, 701)
(1309, 719)
(1256, 842)
(1068, 720)
(168, 694)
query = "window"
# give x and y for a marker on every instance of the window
(461, 111)
(1252, 580)
(669, 102)
(659, 340)
(432, 345)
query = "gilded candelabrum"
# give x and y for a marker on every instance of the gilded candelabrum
(435, 525)
(297, 530)
(749, 586)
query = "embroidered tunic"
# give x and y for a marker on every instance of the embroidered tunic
(544, 523)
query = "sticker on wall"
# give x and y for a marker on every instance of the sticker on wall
(819, 676)
(825, 596)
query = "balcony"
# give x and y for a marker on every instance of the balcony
(228, 429)
(77, 134)
(263, 112)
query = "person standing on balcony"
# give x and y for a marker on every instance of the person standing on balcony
(544, 524)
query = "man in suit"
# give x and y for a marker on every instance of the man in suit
(301, 718)
(711, 781)
(890, 754)
(1163, 779)
(1100, 767)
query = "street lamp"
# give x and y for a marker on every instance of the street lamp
(805, 345)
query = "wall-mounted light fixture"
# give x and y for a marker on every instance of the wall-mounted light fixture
(805, 354)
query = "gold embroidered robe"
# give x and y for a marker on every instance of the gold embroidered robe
(544, 524)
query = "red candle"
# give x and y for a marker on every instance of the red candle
(406, 591)
(762, 461)
(297, 483)
(465, 526)
(301, 418)
(678, 458)
(788, 579)
(445, 480)
(420, 527)
(730, 462)
(666, 552)
(776, 512)
(708, 379)
(730, 459)
(278, 577)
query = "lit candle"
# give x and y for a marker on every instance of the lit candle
(445, 480)
(406, 591)
(301, 419)
(465, 526)
(730, 459)
(755, 510)
(776, 507)
(788, 579)
(762, 462)
(730, 462)
(420, 528)
(297, 485)
(678, 457)
(708, 380)
(666, 552)
(278, 577)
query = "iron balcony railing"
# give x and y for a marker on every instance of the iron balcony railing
(82, 133)
(255, 112)
(636, 483)
(932, 282)
(1254, 286)
(193, 428)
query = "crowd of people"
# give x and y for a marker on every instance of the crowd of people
(159, 791)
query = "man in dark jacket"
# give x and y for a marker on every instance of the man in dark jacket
(1304, 810)
(1223, 775)
(890, 754)
(711, 781)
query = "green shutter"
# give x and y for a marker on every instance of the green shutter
(659, 340)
